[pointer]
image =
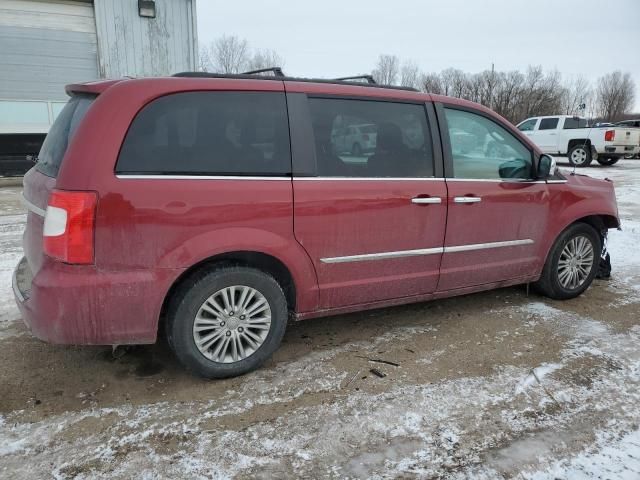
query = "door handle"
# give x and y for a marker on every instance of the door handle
(426, 200)
(466, 199)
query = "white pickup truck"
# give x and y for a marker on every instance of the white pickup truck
(570, 136)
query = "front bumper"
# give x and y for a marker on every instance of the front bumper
(82, 305)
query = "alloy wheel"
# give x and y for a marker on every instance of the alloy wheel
(232, 324)
(576, 262)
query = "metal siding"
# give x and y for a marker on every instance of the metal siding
(130, 45)
(44, 46)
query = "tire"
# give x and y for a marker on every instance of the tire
(356, 150)
(580, 156)
(607, 161)
(195, 296)
(551, 282)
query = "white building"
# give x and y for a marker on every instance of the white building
(46, 44)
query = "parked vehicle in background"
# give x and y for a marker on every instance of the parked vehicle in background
(571, 136)
(220, 207)
(635, 123)
(356, 139)
(629, 123)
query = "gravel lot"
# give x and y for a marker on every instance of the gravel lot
(494, 385)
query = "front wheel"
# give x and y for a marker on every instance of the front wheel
(572, 263)
(227, 321)
(580, 156)
(607, 161)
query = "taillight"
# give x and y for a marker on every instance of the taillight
(609, 135)
(69, 226)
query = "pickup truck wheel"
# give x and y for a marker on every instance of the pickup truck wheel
(580, 156)
(607, 161)
(572, 263)
(227, 321)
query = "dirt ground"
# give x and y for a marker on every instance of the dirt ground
(502, 384)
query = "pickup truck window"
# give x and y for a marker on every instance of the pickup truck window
(528, 125)
(570, 123)
(548, 124)
(482, 149)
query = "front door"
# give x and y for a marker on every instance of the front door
(372, 221)
(497, 213)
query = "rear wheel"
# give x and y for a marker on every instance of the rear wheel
(572, 263)
(580, 156)
(607, 161)
(227, 322)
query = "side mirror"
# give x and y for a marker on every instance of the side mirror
(546, 166)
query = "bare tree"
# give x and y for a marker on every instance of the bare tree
(265, 58)
(431, 83)
(387, 69)
(227, 54)
(615, 95)
(410, 75)
(577, 97)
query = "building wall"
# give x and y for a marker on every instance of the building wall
(130, 45)
(45, 45)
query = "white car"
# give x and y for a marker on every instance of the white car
(570, 136)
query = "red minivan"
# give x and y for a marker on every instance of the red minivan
(214, 208)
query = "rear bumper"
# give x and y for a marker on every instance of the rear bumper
(618, 151)
(81, 305)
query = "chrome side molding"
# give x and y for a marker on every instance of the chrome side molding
(426, 251)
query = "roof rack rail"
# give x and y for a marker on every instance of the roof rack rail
(271, 78)
(370, 80)
(277, 71)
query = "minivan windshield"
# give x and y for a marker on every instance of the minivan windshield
(56, 142)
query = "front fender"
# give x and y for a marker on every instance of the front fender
(586, 197)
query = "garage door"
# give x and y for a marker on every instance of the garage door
(45, 45)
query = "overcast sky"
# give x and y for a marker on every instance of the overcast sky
(329, 38)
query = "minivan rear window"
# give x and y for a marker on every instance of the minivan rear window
(209, 133)
(60, 134)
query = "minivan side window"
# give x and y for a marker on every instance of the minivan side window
(548, 124)
(528, 125)
(368, 138)
(482, 149)
(209, 133)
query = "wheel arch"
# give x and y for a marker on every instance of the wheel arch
(253, 259)
(600, 222)
(578, 141)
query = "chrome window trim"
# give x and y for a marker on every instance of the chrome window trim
(382, 179)
(426, 251)
(31, 207)
(198, 177)
(495, 180)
